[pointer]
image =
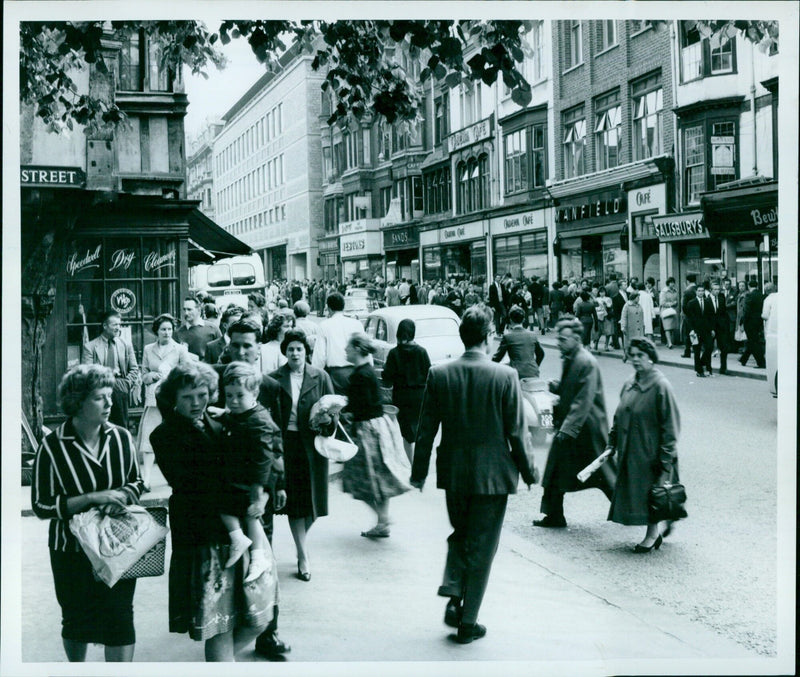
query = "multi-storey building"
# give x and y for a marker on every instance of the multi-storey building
(614, 147)
(104, 220)
(726, 118)
(267, 168)
(199, 169)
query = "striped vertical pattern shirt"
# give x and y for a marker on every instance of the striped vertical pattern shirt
(64, 468)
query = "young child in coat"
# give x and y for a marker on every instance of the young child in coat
(252, 457)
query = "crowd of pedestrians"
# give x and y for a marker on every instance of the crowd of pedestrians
(227, 417)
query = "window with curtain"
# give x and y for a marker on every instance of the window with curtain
(691, 52)
(574, 142)
(648, 104)
(608, 130)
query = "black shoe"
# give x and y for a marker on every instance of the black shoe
(302, 575)
(551, 522)
(642, 549)
(686, 355)
(467, 633)
(700, 374)
(668, 528)
(270, 646)
(452, 614)
(723, 372)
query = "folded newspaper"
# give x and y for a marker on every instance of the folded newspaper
(589, 470)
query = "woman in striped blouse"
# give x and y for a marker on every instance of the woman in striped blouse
(86, 462)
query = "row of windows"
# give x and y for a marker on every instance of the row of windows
(275, 214)
(647, 140)
(261, 132)
(267, 177)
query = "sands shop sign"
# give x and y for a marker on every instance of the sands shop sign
(119, 261)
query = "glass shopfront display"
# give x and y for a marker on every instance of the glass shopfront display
(461, 261)
(594, 258)
(136, 276)
(524, 254)
(747, 257)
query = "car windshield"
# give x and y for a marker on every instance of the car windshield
(436, 326)
(355, 303)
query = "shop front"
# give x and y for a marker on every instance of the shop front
(744, 216)
(360, 252)
(689, 246)
(454, 252)
(128, 253)
(645, 253)
(519, 244)
(592, 237)
(401, 250)
(330, 264)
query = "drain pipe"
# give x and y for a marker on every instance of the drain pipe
(753, 107)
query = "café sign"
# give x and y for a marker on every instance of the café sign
(688, 226)
(469, 135)
(590, 210)
(533, 220)
(51, 177)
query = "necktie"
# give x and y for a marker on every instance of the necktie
(111, 355)
(701, 305)
(714, 301)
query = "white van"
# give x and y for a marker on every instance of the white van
(230, 279)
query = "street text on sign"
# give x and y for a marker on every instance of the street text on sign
(51, 177)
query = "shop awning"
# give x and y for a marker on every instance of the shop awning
(207, 241)
(745, 207)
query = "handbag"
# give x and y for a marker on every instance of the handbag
(668, 312)
(739, 334)
(152, 562)
(116, 542)
(336, 450)
(666, 503)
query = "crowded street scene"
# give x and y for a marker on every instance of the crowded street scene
(406, 345)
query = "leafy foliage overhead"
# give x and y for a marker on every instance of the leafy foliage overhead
(363, 61)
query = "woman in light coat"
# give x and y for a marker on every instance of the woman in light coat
(631, 321)
(644, 437)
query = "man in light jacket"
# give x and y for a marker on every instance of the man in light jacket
(478, 462)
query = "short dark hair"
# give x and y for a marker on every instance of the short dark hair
(273, 330)
(292, 336)
(109, 313)
(79, 382)
(516, 314)
(670, 280)
(230, 312)
(161, 319)
(753, 283)
(244, 326)
(191, 375)
(691, 277)
(475, 325)
(646, 346)
(193, 298)
(257, 298)
(210, 310)
(335, 301)
(362, 343)
(651, 280)
(569, 322)
(406, 330)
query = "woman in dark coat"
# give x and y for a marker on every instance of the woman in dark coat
(644, 436)
(586, 312)
(406, 372)
(210, 602)
(306, 471)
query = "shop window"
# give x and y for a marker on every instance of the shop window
(574, 142)
(606, 34)
(608, 131)
(573, 44)
(431, 264)
(648, 104)
(521, 254)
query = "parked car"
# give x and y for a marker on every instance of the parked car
(436, 331)
(359, 302)
(771, 353)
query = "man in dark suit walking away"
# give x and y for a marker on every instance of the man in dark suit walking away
(524, 352)
(754, 326)
(700, 319)
(722, 330)
(688, 294)
(581, 425)
(497, 302)
(479, 460)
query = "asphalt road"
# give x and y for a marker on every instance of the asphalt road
(719, 566)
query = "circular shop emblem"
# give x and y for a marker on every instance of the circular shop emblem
(123, 300)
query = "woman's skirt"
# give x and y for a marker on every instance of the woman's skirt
(91, 612)
(151, 419)
(669, 323)
(380, 469)
(206, 599)
(299, 482)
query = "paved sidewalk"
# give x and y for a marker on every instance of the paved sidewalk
(376, 601)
